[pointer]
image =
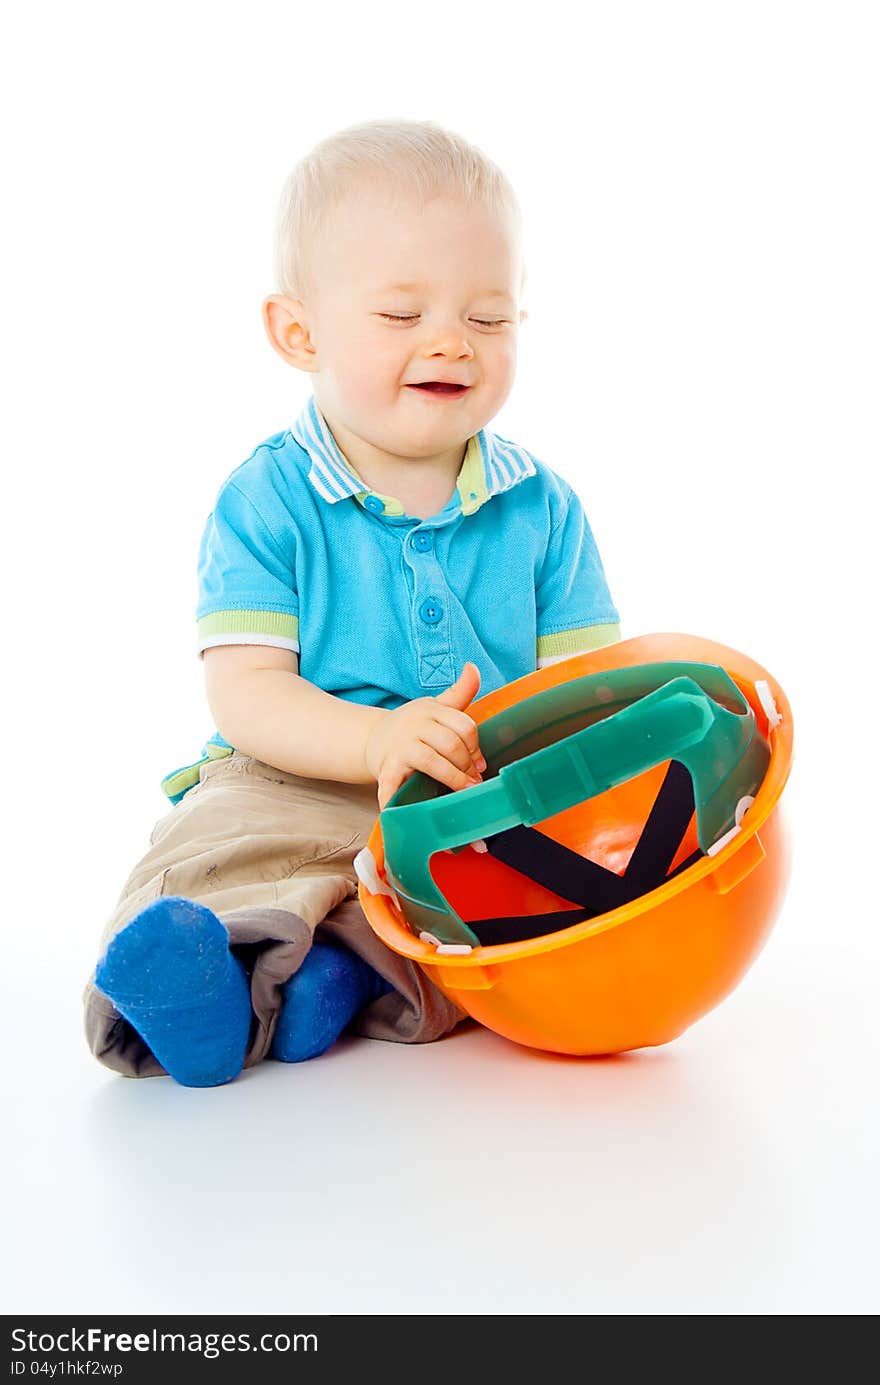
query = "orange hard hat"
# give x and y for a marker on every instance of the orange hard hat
(619, 977)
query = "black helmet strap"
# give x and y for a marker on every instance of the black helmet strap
(592, 887)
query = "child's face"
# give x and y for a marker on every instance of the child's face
(371, 342)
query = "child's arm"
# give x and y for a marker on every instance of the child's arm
(264, 708)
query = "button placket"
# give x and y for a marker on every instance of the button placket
(430, 611)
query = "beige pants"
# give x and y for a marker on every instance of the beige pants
(272, 855)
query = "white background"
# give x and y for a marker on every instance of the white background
(699, 186)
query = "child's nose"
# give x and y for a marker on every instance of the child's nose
(451, 341)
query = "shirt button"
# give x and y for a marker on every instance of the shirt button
(423, 542)
(374, 505)
(431, 611)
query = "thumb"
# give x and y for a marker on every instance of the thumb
(463, 690)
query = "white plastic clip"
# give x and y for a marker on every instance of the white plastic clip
(740, 811)
(722, 841)
(446, 949)
(742, 808)
(765, 697)
(366, 871)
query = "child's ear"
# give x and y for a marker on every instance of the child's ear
(286, 322)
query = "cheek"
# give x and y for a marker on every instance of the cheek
(380, 350)
(371, 363)
(509, 352)
(501, 361)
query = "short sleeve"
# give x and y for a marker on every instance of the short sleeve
(246, 574)
(573, 604)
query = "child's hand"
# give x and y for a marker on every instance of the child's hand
(431, 734)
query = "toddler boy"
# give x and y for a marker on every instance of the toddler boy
(362, 576)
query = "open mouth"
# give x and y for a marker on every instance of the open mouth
(440, 388)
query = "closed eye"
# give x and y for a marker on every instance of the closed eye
(481, 322)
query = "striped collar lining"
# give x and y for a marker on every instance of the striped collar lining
(492, 464)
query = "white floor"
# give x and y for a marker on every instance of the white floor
(708, 389)
(732, 1172)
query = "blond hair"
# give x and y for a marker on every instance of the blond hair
(416, 156)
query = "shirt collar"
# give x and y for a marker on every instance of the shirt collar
(492, 464)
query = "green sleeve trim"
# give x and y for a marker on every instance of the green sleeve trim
(280, 625)
(578, 641)
(175, 785)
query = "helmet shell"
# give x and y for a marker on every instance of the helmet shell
(639, 975)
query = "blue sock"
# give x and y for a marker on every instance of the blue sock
(321, 999)
(170, 973)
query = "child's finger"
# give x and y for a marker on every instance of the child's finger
(449, 743)
(445, 771)
(387, 788)
(464, 727)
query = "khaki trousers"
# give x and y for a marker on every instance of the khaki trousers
(272, 855)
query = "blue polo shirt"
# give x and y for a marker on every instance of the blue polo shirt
(381, 607)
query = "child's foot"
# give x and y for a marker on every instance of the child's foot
(170, 973)
(321, 999)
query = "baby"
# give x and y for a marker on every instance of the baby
(362, 576)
